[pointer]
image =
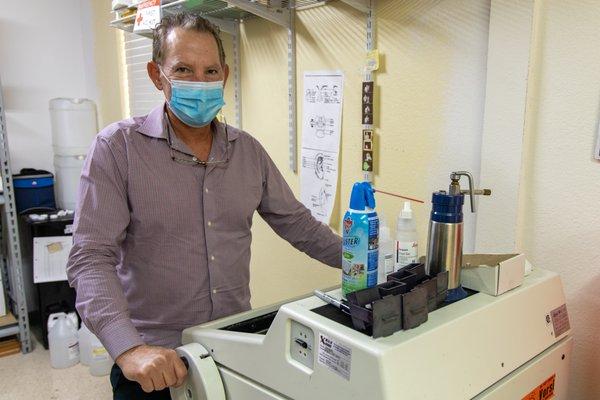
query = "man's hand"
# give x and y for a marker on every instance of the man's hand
(153, 367)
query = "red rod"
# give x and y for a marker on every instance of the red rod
(397, 195)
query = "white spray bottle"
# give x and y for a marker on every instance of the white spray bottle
(406, 238)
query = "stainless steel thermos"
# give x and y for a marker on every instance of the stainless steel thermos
(445, 238)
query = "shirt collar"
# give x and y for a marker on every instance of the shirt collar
(219, 146)
(154, 125)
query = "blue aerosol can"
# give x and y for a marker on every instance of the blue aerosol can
(360, 240)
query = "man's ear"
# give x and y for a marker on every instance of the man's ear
(154, 74)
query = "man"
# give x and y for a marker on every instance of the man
(162, 230)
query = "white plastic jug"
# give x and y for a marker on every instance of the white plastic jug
(52, 318)
(85, 345)
(100, 363)
(73, 124)
(67, 172)
(62, 337)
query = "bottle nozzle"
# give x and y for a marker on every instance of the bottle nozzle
(407, 211)
(362, 196)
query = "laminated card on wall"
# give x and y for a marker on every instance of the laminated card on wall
(321, 128)
(147, 17)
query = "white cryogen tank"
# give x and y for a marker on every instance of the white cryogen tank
(74, 125)
(67, 173)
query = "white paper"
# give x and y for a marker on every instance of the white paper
(50, 256)
(321, 128)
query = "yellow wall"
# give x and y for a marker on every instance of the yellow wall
(430, 100)
(107, 59)
(277, 270)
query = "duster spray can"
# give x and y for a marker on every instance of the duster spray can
(360, 240)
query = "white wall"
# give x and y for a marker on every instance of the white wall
(560, 202)
(46, 51)
(509, 53)
(432, 97)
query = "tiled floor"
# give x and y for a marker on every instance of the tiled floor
(30, 376)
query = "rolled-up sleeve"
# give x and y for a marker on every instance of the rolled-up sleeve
(291, 220)
(101, 222)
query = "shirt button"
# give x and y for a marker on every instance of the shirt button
(212, 258)
(209, 223)
(206, 190)
(214, 291)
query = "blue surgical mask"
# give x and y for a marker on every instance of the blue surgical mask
(196, 104)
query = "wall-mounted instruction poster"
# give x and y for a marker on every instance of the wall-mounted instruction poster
(321, 129)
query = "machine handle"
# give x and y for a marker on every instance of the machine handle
(185, 362)
(203, 380)
(455, 176)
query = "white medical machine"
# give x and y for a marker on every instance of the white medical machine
(511, 347)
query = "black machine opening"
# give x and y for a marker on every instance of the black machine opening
(259, 325)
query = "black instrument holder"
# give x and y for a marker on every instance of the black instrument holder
(402, 302)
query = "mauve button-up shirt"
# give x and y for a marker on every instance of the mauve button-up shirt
(162, 245)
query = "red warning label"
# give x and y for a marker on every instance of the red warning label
(543, 392)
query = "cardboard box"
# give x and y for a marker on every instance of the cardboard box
(493, 274)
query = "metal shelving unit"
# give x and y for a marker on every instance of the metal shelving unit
(11, 262)
(228, 15)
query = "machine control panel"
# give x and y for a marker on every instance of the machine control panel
(302, 344)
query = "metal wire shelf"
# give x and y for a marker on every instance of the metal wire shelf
(9, 238)
(235, 10)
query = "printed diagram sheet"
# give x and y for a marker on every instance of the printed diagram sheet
(321, 129)
(50, 256)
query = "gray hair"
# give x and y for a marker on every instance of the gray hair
(184, 20)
